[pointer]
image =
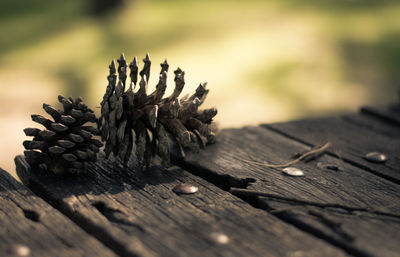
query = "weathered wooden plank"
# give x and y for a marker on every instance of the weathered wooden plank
(350, 142)
(365, 229)
(345, 189)
(390, 114)
(375, 124)
(129, 206)
(31, 227)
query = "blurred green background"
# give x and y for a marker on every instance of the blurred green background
(264, 61)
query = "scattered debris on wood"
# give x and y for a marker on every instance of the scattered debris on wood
(306, 156)
(375, 157)
(186, 189)
(293, 172)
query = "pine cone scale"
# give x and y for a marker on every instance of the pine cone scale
(53, 112)
(56, 149)
(33, 145)
(77, 114)
(46, 134)
(41, 120)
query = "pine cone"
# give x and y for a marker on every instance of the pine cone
(66, 145)
(146, 120)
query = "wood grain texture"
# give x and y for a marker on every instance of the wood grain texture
(371, 234)
(374, 124)
(350, 142)
(140, 215)
(390, 114)
(29, 221)
(324, 202)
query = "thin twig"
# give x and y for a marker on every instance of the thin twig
(181, 151)
(311, 152)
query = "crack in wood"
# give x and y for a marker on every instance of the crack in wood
(29, 222)
(98, 232)
(345, 241)
(240, 191)
(218, 180)
(32, 215)
(342, 242)
(333, 154)
(388, 115)
(192, 226)
(224, 182)
(364, 200)
(334, 225)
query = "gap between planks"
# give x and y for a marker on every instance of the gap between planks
(253, 201)
(335, 155)
(232, 214)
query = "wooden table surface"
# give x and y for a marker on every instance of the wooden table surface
(344, 205)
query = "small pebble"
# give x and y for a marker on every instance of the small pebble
(375, 157)
(19, 250)
(292, 171)
(185, 189)
(219, 238)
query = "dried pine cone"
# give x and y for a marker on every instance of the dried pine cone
(66, 145)
(146, 120)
